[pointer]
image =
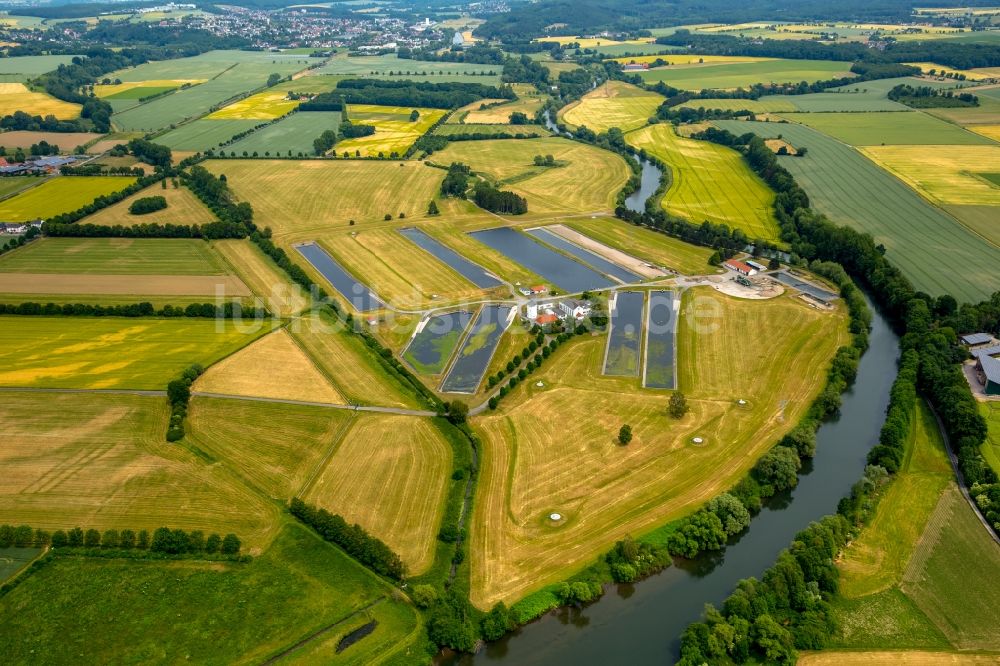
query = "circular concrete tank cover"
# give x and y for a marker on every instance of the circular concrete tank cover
(555, 516)
(697, 440)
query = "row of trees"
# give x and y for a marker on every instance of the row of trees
(419, 94)
(534, 361)
(179, 395)
(229, 310)
(368, 550)
(163, 540)
(925, 97)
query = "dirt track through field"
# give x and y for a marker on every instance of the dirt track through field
(139, 285)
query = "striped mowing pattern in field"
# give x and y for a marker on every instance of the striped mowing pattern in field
(394, 490)
(881, 129)
(262, 275)
(453, 129)
(183, 207)
(613, 104)
(710, 182)
(292, 135)
(109, 256)
(931, 248)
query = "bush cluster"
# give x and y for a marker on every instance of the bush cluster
(179, 394)
(147, 205)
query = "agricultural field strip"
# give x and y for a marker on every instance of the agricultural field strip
(60, 195)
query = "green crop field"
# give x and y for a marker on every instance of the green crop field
(79, 352)
(293, 135)
(534, 462)
(391, 67)
(745, 74)
(710, 182)
(586, 183)
(991, 447)
(14, 184)
(237, 613)
(931, 248)
(60, 195)
(115, 256)
(614, 104)
(203, 134)
(22, 68)
(873, 129)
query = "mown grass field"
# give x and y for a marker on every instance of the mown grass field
(537, 461)
(691, 59)
(80, 352)
(396, 489)
(218, 613)
(283, 193)
(587, 183)
(991, 447)
(101, 461)
(396, 268)
(271, 367)
(394, 131)
(656, 248)
(885, 129)
(203, 134)
(66, 141)
(932, 249)
(139, 89)
(449, 129)
(60, 195)
(13, 184)
(710, 182)
(262, 276)
(895, 657)
(115, 256)
(279, 454)
(17, 97)
(742, 75)
(22, 68)
(183, 207)
(500, 114)
(13, 560)
(614, 104)
(876, 560)
(266, 105)
(294, 133)
(350, 364)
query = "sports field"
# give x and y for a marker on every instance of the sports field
(293, 135)
(22, 68)
(395, 268)
(284, 192)
(271, 367)
(60, 195)
(17, 97)
(204, 134)
(882, 129)
(742, 75)
(80, 352)
(536, 462)
(710, 182)
(352, 367)
(394, 490)
(238, 613)
(262, 276)
(614, 104)
(394, 131)
(101, 461)
(115, 256)
(183, 207)
(876, 560)
(931, 248)
(587, 183)
(656, 248)
(266, 105)
(391, 67)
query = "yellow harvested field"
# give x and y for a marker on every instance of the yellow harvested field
(895, 658)
(710, 182)
(262, 106)
(586, 183)
(397, 269)
(536, 461)
(299, 200)
(692, 59)
(500, 114)
(275, 446)
(264, 278)
(394, 131)
(943, 175)
(183, 207)
(355, 369)
(101, 461)
(66, 141)
(17, 97)
(137, 285)
(614, 104)
(990, 131)
(389, 474)
(115, 88)
(272, 367)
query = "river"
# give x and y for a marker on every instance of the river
(642, 623)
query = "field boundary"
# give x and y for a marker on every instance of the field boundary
(316, 634)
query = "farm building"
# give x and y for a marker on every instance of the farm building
(635, 67)
(546, 319)
(575, 308)
(976, 339)
(988, 369)
(754, 264)
(740, 267)
(533, 291)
